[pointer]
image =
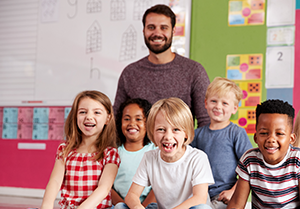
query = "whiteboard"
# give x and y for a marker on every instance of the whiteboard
(54, 49)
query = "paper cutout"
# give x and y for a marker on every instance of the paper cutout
(246, 12)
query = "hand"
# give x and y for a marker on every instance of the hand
(225, 196)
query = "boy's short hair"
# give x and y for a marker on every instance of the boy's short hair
(222, 86)
(276, 106)
(177, 113)
(162, 10)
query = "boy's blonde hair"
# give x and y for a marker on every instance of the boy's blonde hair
(297, 130)
(176, 112)
(222, 86)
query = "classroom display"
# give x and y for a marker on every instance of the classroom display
(37, 123)
(65, 47)
(246, 71)
(246, 12)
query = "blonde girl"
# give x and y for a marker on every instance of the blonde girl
(87, 162)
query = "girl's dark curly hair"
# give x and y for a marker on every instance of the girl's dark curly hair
(144, 105)
(276, 106)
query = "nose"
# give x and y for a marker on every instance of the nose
(89, 115)
(168, 134)
(271, 139)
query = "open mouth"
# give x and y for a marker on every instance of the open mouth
(271, 149)
(169, 146)
(132, 130)
(89, 125)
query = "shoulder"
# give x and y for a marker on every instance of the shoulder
(251, 154)
(189, 64)
(195, 153)
(201, 130)
(136, 64)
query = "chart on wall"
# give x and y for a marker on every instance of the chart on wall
(246, 71)
(51, 50)
(246, 12)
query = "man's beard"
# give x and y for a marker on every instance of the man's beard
(161, 49)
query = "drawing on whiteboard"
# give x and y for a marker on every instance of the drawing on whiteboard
(94, 69)
(140, 7)
(93, 37)
(74, 4)
(117, 10)
(128, 45)
(49, 10)
(93, 6)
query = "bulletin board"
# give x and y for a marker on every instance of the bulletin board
(215, 41)
(52, 50)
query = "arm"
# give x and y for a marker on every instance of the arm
(149, 199)
(115, 197)
(121, 95)
(54, 184)
(132, 198)
(200, 193)
(240, 196)
(199, 87)
(226, 195)
(104, 186)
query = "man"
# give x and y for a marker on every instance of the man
(162, 73)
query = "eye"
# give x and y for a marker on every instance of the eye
(82, 112)
(225, 103)
(160, 130)
(176, 129)
(126, 119)
(164, 27)
(97, 112)
(263, 133)
(280, 134)
(213, 101)
(150, 27)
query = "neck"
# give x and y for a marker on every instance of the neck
(161, 58)
(218, 126)
(133, 146)
(87, 145)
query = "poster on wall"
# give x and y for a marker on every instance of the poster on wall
(246, 71)
(246, 12)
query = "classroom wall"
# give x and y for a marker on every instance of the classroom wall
(210, 42)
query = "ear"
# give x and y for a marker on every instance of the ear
(174, 30)
(107, 119)
(293, 138)
(205, 102)
(235, 108)
(255, 138)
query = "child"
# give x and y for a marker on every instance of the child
(133, 143)
(87, 163)
(272, 170)
(297, 130)
(179, 174)
(223, 141)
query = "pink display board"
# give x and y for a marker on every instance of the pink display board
(296, 91)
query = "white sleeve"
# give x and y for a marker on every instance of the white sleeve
(141, 175)
(202, 170)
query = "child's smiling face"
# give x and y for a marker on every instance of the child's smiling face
(168, 138)
(273, 136)
(133, 123)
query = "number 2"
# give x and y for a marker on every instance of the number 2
(280, 56)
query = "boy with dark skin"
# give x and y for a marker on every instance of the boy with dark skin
(272, 170)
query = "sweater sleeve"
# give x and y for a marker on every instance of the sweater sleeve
(199, 87)
(121, 95)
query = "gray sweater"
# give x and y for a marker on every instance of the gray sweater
(182, 78)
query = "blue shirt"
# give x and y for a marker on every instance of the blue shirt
(224, 148)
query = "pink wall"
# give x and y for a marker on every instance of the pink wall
(26, 168)
(296, 91)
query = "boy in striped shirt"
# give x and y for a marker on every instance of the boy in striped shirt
(271, 171)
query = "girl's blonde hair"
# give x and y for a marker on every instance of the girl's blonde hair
(222, 86)
(297, 130)
(177, 113)
(74, 135)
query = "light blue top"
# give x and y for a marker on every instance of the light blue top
(129, 163)
(224, 148)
